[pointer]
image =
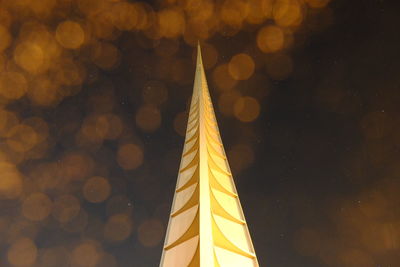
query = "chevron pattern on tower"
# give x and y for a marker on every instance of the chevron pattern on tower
(206, 227)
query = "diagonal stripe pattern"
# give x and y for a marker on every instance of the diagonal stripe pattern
(206, 227)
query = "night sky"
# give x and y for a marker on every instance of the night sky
(93, 107)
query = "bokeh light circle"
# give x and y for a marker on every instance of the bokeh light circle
(246, 109)
(129, 156)
(70, 34)
(96, 189)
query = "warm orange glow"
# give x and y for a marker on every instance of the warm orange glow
(356, 257)
(246, 109)
(44, 93)
(118, 228)
(234, 12)
(70, 34)
(270, 39)
(22, 252)
(96, 128)
(146, 16)
(76, 166)
(54, 256)
(226, 102)
(30, 57)
(259, 11)
(70, 73)
(124, 16)
(199, 11)
(5, 38)
(85, 255)
(13, 85)
(65, 208)
(22, 138)
(7, 121)
(37, 207)
(42, 8)
(105, 55)
(11, 181)
(171, 22)
(40, 127)
(241, 67)
(288, 13)
(148, 118)
(222, 79)
(374, 204)
(130, 156)
(96, 189)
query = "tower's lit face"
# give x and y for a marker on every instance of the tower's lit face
(207, 226)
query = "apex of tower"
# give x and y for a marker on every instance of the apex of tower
(199, 60)
(206, 227)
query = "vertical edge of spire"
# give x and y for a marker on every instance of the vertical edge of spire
(199, 61)
(206, 244)
(200, 78)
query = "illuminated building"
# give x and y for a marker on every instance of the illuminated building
(206, 226)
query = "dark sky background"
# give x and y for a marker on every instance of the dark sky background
(90, 179)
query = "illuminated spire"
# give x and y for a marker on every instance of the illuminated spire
(207, 227)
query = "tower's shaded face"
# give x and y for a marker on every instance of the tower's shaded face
(94, 104)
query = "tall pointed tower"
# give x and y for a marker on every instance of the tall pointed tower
(207, 227)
